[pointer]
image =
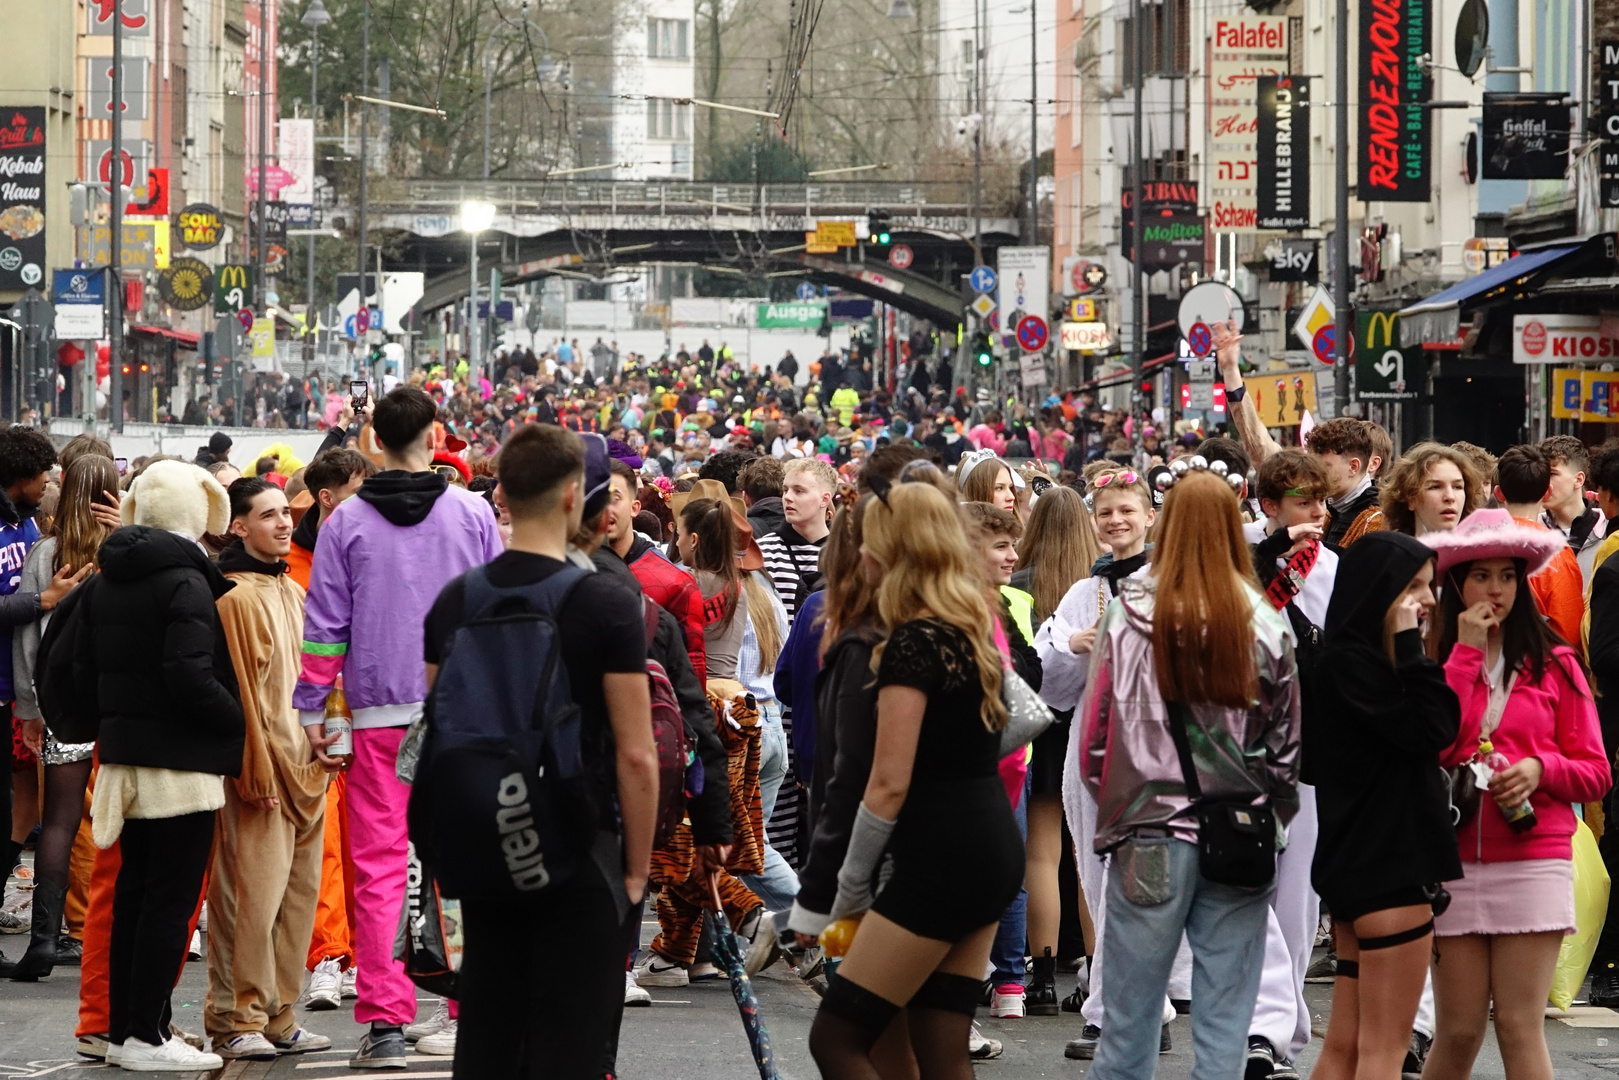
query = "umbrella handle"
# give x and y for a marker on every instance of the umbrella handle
(714, 894)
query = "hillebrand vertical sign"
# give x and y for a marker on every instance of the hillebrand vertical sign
(22, 197)
(1284, 152)
(1394, 85)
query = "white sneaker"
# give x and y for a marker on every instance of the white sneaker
(194, 949)
(441, 1043)
(249, 1045)
(980, 1047)
(114, 1052)
(171, 1056)
(1007, 1005)
(703, 971)
(655, 970)
(432, 1025)
(323, 992)
(351, 984)
(302, 1041)
(633, 994)
(764, 949)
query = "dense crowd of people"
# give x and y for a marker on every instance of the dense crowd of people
(948, 702)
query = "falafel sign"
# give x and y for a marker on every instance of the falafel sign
(1394, 88)
(22, 197)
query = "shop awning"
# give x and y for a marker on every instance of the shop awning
(1439, 318)
(184, 337)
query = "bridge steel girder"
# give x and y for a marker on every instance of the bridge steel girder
(560, 253)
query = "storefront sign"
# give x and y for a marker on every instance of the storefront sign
(1559, 339)
(1163, 199)
(233, 288)
(1526, 136)
(80, 311)
(137, 245)
(187, 284)
(1393, 85)
(201, 227)
(1384, 371)
(1171, 241)
(1282, 400)
(1599, 397)
(1608, 118)
(136, 16)
(22, 197)
(1086, 336)
(1295, 260)
(1565, 393)
(1283, 188)
(1242, 53)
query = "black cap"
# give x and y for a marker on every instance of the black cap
(219, 442)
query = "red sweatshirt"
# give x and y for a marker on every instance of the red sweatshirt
(1553, 719)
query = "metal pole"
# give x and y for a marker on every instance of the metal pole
(365, 88)
(1138, 275)
(1340, 284)
(115, 182)
(978, 130)
(264, 148)
(474, 324)
(490, 40)
(314, 113)
(1034, 131)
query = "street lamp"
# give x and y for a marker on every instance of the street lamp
(315, 17)
(476, 216)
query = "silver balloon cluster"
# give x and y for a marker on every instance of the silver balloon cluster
(1198, 463)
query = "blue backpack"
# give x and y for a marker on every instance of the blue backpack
(501, 806)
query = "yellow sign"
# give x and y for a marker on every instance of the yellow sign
(1568, 390)
(263, 337)
(1599, 397)
(813, 245)
(160, 244)
(839, 233)
(1082, 310)
(1318, 312)
(1282, 399)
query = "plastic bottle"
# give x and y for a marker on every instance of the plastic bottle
(1521, 817)
(340, 722)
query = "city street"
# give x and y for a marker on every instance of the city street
(694, 1033)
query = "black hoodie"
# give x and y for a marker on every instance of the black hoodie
(405, 499)
(164, 682)
(1380, 725)
(235, 560)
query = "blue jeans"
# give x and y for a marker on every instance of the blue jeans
(1226, 929)
(777, 884)
(1012, 938)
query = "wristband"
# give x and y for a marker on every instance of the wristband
(1234, 394)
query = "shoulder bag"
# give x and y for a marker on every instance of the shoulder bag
(1236, 840)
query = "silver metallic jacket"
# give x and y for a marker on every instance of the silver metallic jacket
(1127, 756)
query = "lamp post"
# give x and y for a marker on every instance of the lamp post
(476, 216)
(264, 144)
(316, 17)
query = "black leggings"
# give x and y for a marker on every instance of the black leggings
(159, 883)
(61, 812)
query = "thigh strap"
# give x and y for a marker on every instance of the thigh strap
(1347, 969)
(949, 993)
(1388, 941)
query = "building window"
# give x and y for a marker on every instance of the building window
(666, 120)
(666, 39)
(680, 159)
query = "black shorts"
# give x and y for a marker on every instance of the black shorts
(1350, 910)
(1050, 753)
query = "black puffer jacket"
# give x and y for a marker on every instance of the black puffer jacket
(167, 691)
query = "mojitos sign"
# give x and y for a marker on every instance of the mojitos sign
(797, 315)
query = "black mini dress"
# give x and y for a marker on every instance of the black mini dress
(957, 853)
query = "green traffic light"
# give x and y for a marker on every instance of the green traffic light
(882, 238)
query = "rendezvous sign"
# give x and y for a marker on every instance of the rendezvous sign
(793, 315)
(1384, 370)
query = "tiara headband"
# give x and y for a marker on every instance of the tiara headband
(1198, 463)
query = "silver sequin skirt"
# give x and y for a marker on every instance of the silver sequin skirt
(61, 753)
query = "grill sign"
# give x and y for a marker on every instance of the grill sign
(22, 197)
(1394, 131)
(1284, 152)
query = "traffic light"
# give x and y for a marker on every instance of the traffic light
(877, 217)
(982, 352)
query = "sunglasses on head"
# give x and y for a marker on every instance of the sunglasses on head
(1127, 477)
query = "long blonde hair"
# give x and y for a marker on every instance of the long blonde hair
(762, 614)
(78, 534)
(1202, 622)
(850, 599)
(1059, 547)
(916, 535)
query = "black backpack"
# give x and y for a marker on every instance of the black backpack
(501, 806)
(65, 688)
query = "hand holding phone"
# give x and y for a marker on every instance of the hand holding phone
(357, 393)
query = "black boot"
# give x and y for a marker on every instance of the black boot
(1040, 996)
(37, 962)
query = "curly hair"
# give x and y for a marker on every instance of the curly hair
(1405, 480)
(24, 453)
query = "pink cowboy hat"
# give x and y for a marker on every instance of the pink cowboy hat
(1493, 534)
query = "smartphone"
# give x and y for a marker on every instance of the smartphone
(357, 392)
(123, 465)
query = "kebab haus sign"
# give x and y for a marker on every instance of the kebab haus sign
(1394, 88)
(1564, 339)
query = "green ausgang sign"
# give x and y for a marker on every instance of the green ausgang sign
(794, 316)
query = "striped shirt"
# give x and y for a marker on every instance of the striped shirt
(792, 564)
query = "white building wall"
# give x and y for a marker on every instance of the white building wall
(653, 50)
